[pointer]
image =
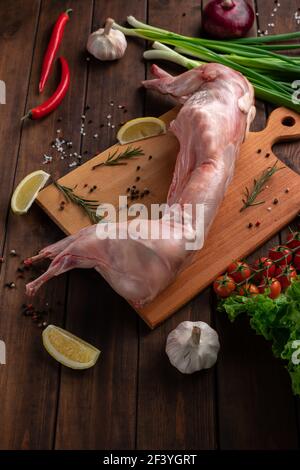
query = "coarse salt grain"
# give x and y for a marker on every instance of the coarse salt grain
(47, 159)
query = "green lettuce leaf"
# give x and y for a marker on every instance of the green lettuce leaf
(276, 320)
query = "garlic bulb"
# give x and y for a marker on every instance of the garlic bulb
(107, 43)
(192, 346)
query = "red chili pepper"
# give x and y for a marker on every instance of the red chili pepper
(52, 103)
(54, 43)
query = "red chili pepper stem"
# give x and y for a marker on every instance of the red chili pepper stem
(28, 115)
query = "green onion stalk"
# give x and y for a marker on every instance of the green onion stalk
(270, 73)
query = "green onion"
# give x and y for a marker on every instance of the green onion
(163, 52)
(270, 73)
(271, 38)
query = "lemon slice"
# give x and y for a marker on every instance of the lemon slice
(140, 128)
(68, 349)
(27, 190)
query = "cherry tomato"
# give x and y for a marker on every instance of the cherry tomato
(265, 266)
(297, 261)
(281, 252)
(239, 271)
(224, 285)
(285, 275)
(248, 289)
(272, 284)
(293, 240)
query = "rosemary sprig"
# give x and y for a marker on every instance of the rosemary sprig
(115, 158)
(258, 187)
(89, 206)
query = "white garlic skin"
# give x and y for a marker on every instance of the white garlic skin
(107, 43)
(187, 356)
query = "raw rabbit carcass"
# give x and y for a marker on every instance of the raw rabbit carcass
(210, 126)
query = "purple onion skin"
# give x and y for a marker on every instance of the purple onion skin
(223, 22)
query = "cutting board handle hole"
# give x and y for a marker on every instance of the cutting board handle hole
(288, 121)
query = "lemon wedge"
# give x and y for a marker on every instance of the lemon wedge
(68, 349)
(140, 128)
(27, 190)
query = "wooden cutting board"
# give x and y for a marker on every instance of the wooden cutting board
(229, 237)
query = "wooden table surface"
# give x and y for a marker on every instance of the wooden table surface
(133, 398)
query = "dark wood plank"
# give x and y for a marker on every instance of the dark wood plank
(29, 381)
(18, 21)
(174, 411)
(97, 409)
(284, 20)
(252, 384)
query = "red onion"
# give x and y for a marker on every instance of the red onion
(226, 19)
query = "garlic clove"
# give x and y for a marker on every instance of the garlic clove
(107, 43)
